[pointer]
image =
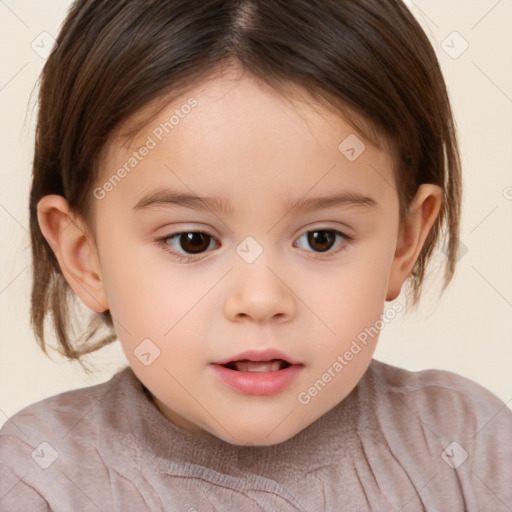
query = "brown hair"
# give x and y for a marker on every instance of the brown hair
(370, 60)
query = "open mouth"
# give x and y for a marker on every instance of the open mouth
(258, 372)
(245, 365)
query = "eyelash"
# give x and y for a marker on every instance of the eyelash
(163, 242)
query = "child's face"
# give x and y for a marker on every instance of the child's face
(258, 153)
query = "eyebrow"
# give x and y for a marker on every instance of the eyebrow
(165, 198)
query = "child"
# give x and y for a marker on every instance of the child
(312, 145)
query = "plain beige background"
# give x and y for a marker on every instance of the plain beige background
(467, 331)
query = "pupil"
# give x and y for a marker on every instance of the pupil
(193, 242)
(323, 239)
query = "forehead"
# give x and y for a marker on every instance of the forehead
(234, 132)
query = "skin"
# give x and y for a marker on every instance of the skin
(250, 145)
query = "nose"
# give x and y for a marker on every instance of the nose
(259, 294)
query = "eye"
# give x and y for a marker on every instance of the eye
(185, 245)
(322, 240)
(191, 242)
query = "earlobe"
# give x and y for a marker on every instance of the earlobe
(75, 250)
(421, 216)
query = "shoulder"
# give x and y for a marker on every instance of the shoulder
(441, 396)
(49, 438)
(56, 414)
(460, 431)
(402, 380)
(443, 429)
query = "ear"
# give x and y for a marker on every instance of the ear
(421, 216)
(75, 250)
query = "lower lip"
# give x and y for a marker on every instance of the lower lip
(258, 383)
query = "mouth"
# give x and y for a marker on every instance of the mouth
(258, 372)
(257, 360)
(246, 365)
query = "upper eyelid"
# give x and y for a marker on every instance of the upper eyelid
(317, 226)
(205, 232)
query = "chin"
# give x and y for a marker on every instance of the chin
(256, 434)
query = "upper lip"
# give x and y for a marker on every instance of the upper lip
(259, 355)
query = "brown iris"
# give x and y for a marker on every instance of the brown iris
(194, 243)
(321, 240)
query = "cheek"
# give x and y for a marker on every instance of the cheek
(353, 295)
(150, 298)
(139, 293)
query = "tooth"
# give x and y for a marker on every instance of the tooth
(257, 366)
